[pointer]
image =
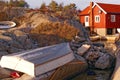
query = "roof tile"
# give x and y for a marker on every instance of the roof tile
(110, 8)
(85, 11)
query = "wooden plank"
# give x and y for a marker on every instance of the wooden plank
(69, 70)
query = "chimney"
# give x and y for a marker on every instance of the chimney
(91, 4)
(91, 17)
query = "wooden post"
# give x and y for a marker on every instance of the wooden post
(91, 17)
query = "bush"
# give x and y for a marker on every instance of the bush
(53, 32)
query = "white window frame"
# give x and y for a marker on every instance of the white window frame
(97, 18)
(86, 18)
(113, 18)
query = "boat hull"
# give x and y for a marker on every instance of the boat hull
(7, 24)
(39, 61)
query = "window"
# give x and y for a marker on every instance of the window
(113, 18)
(86, 19)
(97, 18)
(109, 31)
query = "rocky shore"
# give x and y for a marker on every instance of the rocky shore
(14, 41)
(18, 39)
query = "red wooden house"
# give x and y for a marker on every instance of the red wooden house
(102, 18)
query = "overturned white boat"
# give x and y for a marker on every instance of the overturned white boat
(40, 60)
(43, 60)
(7, 24)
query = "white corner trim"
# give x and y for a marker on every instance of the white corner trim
(95, 4)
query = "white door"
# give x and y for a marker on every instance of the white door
(86, 20)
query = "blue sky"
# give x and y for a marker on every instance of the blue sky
(81, 4)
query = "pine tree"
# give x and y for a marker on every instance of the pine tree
(70, 10)
(53, 6)
(43, 7)
(18, 3)
(11, 3)
(60, 7)
(22, 3)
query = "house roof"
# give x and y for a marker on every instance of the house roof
(85, 11)
(106, 8)
(110, 8)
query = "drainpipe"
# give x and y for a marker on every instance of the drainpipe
(91, 17)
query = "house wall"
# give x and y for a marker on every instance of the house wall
(110, 24)
(102, 23)
(105, 26)
(82, 19)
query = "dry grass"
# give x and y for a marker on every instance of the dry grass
(3, 16)
(53, 32)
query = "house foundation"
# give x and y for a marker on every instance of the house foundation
(105, 31)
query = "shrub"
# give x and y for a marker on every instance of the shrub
(53, 32)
